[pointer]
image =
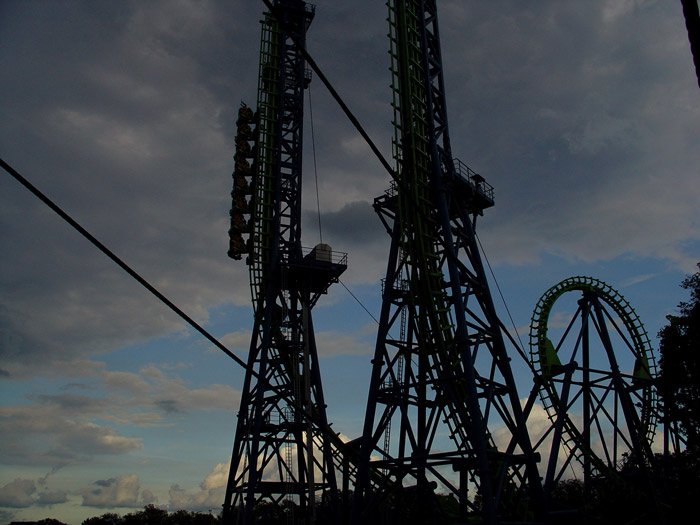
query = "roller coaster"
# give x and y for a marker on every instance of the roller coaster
(441, 384)
(445, 437)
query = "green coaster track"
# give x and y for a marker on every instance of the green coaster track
(604, 414)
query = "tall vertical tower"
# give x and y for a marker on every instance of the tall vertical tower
(443, 413)
(282, 457)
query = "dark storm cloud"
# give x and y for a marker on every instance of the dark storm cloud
(582, 122)
(169, 406)
(18, 494)
(114, 112)
(74, 403)
(105, 482)
(355, 223)
(124, 114)
(584, 116)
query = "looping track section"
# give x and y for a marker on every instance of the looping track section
(596, 372)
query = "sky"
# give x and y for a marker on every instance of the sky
(584, 116)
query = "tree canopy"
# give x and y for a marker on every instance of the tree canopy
(679, 346)
(152, 515)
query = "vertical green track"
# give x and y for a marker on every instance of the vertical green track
(263, 202)
(416, 211)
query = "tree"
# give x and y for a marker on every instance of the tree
(680, 365)
(184, 517)
(109, 518)
(150, 515)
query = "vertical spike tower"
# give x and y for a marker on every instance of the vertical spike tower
(282, 458)
(443, 413)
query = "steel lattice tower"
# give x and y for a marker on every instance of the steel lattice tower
(282, 459)
(441, 379)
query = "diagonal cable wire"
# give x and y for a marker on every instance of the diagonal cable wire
(109, 253)
(333, 92)
(358, 301)
(143, 282)
(520, 348)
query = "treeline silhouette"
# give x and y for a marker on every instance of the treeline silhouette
(152, 515)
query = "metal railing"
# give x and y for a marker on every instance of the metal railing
(323, 255)
(474, 179)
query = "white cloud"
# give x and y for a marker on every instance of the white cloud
(128, 382)
(68, 427)
(209, 496)
(613, 9)
(237, 341)
(122, 491)
(95, 439)
(637, 279)
(44, 434)
(331, 344)
(148, 419)
(539, 428)
(171, 395)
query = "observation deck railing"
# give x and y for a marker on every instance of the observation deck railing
(325, 256)
(474, 179)
(464, 174)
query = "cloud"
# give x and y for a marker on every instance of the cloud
(95, 439)
(127, 382)
(171, 395)
(22, 493)
(584, 118)
(238, 341)
(41, 434)
(331, 344)
(356, 223)
(54, 497)
(637, 279)
(18, 494)
(42, 481)
(584, 161)
(576, 144)
(209, 496)
(122, 491)
(73, 403)
(147, 497)
(539, 428)
(148, 419)
(122, 122)
(613, 9)
(64, 428)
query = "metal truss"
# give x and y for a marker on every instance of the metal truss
(283, 454)
(443, 412)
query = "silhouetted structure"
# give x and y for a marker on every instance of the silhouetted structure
(441, 375)
(282, 455)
